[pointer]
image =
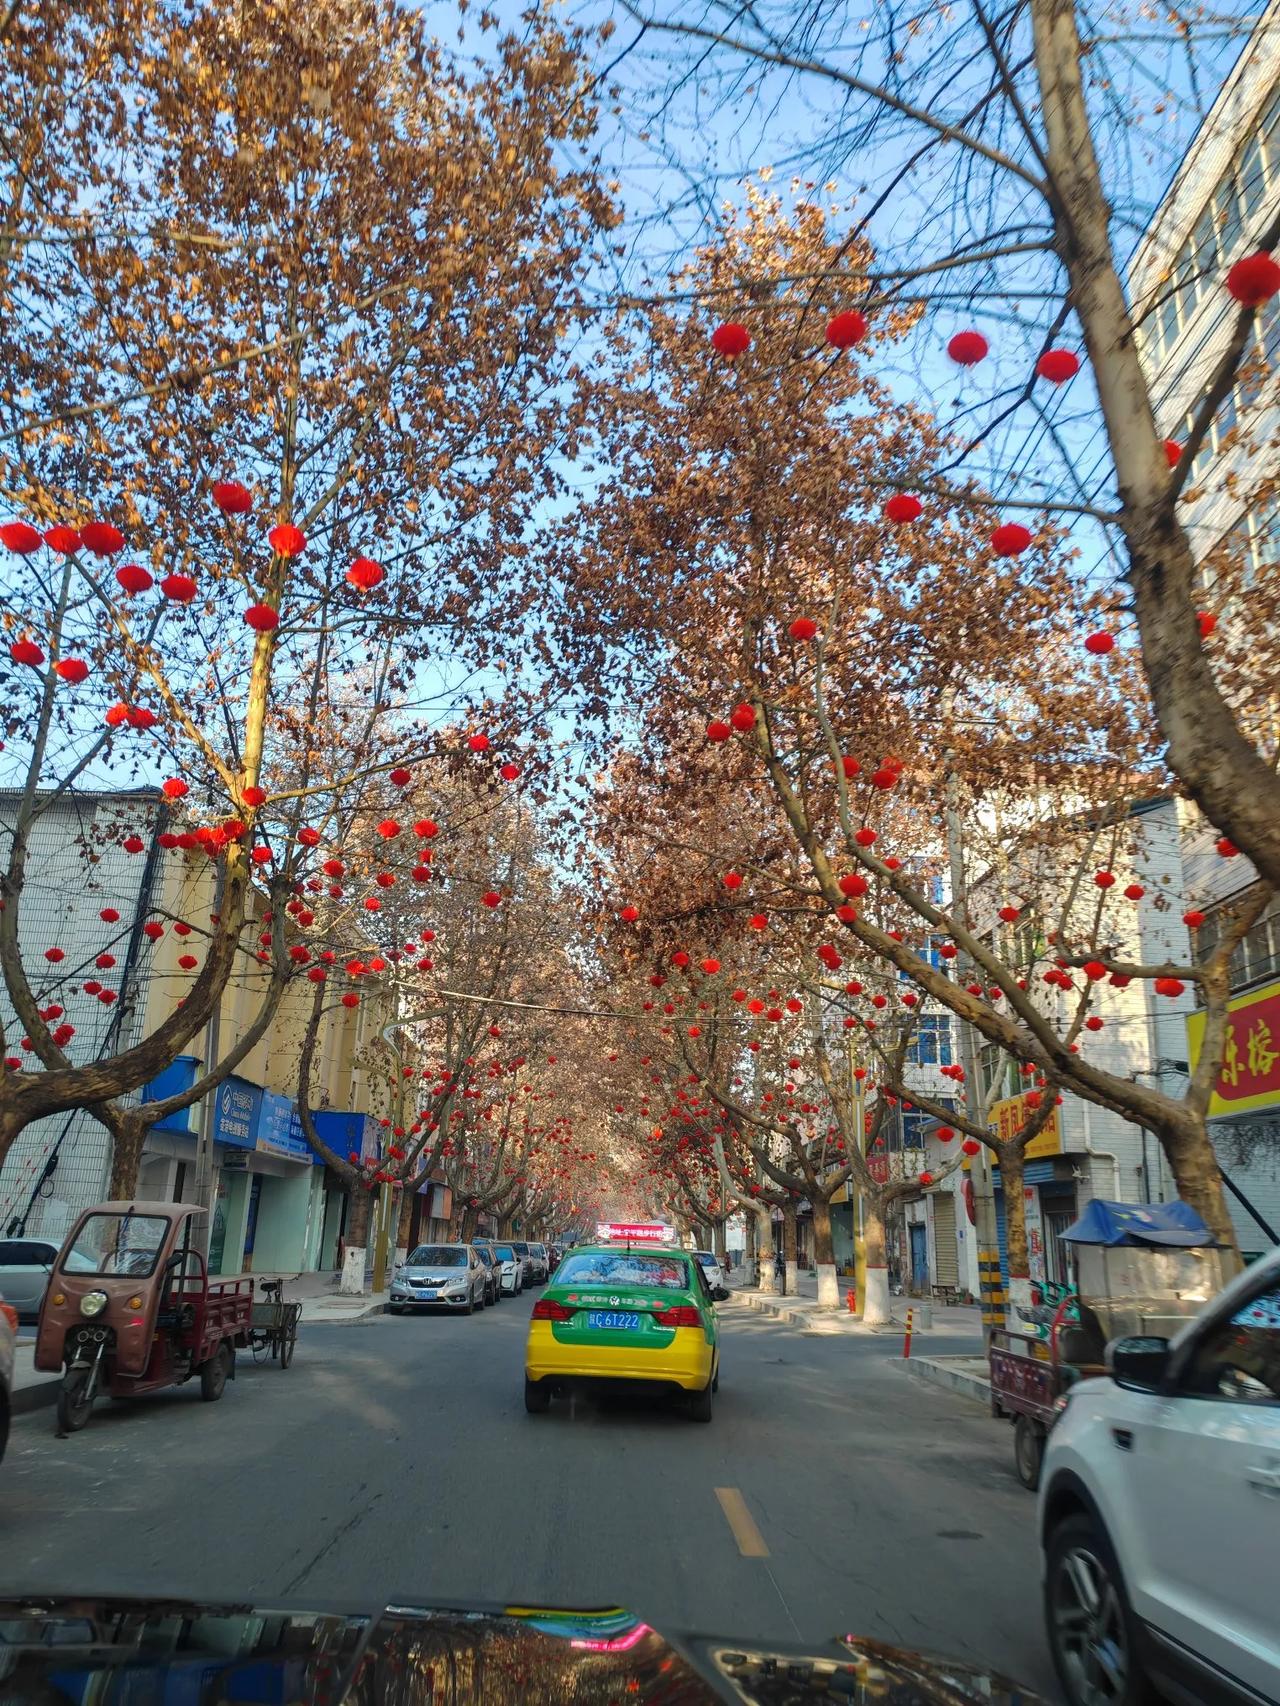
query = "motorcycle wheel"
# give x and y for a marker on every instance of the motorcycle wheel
(74, 1408)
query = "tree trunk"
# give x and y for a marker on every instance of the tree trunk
(791, 1265)
(355, 1241)
(1190, 1153)
(1227, 777)
(128, 1134)
(749, 1241)
(470, 1220)
(764, 1248)
(1018, 1292)
(719, 1244)
(875, 1304)
(824, 1255)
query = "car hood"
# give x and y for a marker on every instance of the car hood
(115, 1650)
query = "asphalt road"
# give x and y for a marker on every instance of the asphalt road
(394, 1460)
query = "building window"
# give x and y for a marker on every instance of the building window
(931, 1044)
(1257, 959)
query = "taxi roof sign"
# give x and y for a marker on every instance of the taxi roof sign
(633, 1232)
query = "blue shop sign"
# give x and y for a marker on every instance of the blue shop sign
(178, 1076)
(348, 1133)
(235, 1113)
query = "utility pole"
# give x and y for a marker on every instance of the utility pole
(205, 1192)
(990, 1281)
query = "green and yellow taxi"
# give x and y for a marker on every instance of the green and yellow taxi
(622, 1316)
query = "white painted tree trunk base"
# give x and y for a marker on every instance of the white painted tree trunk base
(351, 1284)
(793, 1278)
(875, 1305)
(768, 1285)
(828, 1286)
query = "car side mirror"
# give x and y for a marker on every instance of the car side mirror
(1139, 1364)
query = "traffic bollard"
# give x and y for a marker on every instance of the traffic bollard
(851, 1298)
(906, 1343)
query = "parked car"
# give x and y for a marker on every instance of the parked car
(1159, 1511)
(510, 1269)
(715, 1276)
(440, 1276)
(524, 1255)
(25, 1266)
(492, 1290)
(541, 1262)
(8, 1346)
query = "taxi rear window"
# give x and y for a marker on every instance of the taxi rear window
(608, 1267)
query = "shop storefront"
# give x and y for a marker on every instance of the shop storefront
(276, 1209)
(1244, 1111)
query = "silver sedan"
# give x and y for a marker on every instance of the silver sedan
(25, 1266)
(440, 1276)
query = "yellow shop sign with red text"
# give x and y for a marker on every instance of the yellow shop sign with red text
(1008, 1117)
(1250, 1075)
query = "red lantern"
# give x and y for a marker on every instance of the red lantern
(1193, 919)
(850, 766)
(401, 777)
(967, 349)
(731, 339)
(20, 537)
(903, 506)
(63, 540)
(732, 879)
(743, 718)
(865, 837)
(680, 958)
(478, 743)
(1058, 365)
(711, 967)
(1104, 879)
(133, 844)
(491, 899)
(421, 873)
(286, 540)
(254, 796)
(139, 717)
(629, 914)
(1100, 643)
(175, 788)
(372, 903)
(509, 771)
(309, 837)
(388, 829)
(846, 329)
(1254, 279)
(884, 777)
(109, 915)
(365, 574)
(1011, 539)
(718, 731)
(803, 628)
(926, 1178)
(1170, 986)
(1206, 621)
(232, 498)
(425, 828)
(1172, 452)
(53, 955)
(1226, 847)
(1093, 1023)
(970, 1146)
(180, 589)
(1134, 891)
(101, 538)
(350, 999)
(153, 929)
(262, 618)
(134, 578)
(188, 962)
(261, 855)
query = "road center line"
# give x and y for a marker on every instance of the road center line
(741, 1522)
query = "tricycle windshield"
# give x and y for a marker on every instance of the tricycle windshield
(117, 1244)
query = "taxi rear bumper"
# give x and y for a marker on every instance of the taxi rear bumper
(687, 1362)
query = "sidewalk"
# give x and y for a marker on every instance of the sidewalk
(317, 1292)
(802, 1310)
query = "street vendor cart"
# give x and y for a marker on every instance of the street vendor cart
(1141, 1268)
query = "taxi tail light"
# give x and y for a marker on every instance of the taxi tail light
(547, 1309)
(678, 1315)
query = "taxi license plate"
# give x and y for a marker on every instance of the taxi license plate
(613, 1320)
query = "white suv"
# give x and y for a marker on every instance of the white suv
(1159, 1512)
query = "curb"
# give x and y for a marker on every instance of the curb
(34, 1397)
(938, 1371)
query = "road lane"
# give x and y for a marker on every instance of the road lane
(395, 1459)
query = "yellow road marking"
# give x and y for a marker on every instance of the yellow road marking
(750, 1540)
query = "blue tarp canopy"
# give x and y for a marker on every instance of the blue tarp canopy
(1112, 1223)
